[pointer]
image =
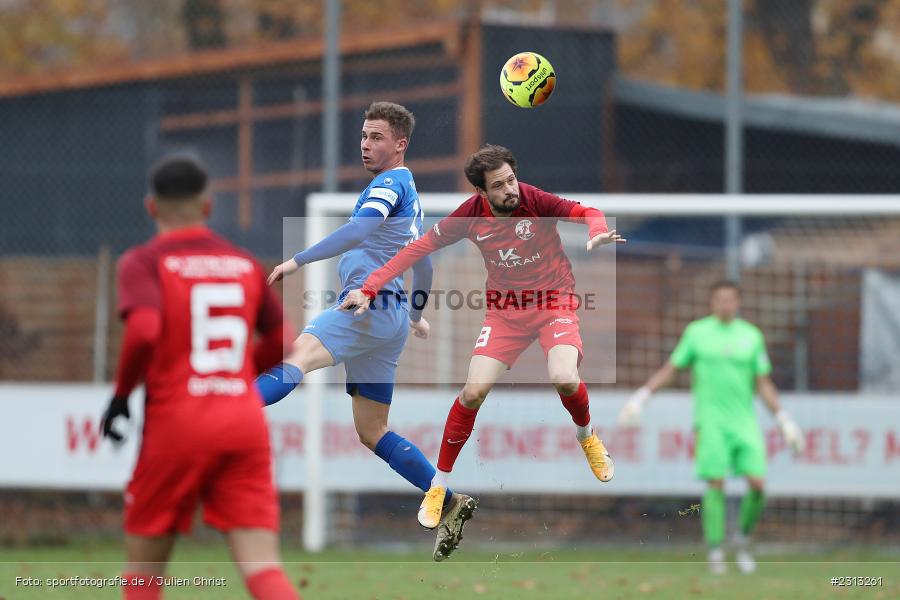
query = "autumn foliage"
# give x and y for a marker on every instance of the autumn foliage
(812, 47)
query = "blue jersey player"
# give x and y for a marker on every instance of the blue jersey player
(386, 218)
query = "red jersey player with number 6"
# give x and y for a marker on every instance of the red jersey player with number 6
(191, 302)
(530, 294)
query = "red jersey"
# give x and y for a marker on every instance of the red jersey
(211, 296)
(520, 252)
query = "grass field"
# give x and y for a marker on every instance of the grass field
(371, 575)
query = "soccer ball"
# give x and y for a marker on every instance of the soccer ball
(527, 79)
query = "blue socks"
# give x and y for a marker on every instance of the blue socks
(399, 453)
(278, 382)
(408, 461)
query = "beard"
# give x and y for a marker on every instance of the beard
(505, 206)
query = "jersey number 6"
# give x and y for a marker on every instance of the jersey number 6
(206, 328)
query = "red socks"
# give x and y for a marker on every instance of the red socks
(461, 421)
(271, 584)
(578, 406)
(457, 430)
(141, 586)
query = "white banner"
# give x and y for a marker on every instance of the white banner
(523, 442)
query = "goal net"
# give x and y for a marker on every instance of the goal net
(819, 276)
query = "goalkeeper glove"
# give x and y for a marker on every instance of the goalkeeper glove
(118, 407)
(630, 415)
(790, 431)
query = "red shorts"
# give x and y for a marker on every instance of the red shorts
(218, 456)
(505, 334)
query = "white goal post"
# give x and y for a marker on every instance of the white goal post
(320, 208)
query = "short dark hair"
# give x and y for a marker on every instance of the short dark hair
(398, 117)
(178, 177)
(488, 158)
(725, 284)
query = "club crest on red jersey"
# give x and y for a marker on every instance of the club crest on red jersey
(523, 229)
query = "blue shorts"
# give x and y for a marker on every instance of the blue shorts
(369, 346)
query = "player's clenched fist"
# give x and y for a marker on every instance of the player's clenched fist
(285, 268)
(601, 239)
(421, 328)
(356, 299)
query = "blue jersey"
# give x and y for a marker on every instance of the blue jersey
(393, 194)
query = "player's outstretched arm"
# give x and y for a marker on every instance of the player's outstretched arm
(347, 236)
(599, 232)
(411, 254)
(403, 260)
(630, 415)
(360, 299)
(790, 431)
(286, 268)
(682, 357)
(449, 230)
(601, 239)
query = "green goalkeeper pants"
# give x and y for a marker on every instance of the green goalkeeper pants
(724, 449)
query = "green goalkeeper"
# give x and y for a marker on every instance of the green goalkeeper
(729, 364)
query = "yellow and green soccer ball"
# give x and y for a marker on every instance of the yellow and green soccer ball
(527, 79)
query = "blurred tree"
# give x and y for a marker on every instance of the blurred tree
(204, 21)
(39, 34)
(815, 47)
(284, 19)
(786, 30)
(818, 47)
(859, 48)
(677, 41)
(826, 61)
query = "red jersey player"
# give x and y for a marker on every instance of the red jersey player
(191, 302)
(529, 295)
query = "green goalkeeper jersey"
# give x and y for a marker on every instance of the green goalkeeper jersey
(725, 359)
